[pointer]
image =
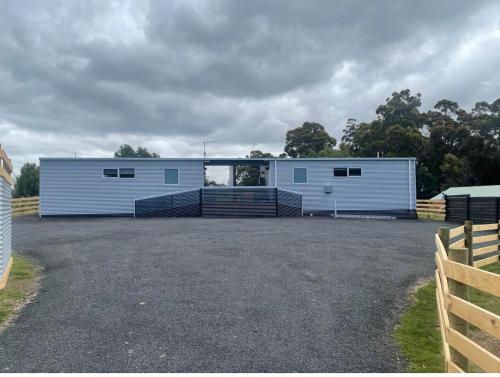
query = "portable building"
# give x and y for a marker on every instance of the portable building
(112, 186)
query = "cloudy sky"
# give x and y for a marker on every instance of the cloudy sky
(85, 77)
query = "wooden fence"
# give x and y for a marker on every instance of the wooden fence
(25, 206)
(435, 209)
(460, 251)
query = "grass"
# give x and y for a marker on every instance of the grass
(418, 332)
(430, 216)
(19, 286)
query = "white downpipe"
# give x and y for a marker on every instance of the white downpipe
(409, 184)
(275, 174)
(334, 209)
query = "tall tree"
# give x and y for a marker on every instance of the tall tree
(28, 182)
(452, 146)
(127, 150)
(309, 140)
(402, 109)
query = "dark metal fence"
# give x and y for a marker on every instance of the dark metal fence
(239, 202)
(181, 204)
(222, 202)
(479, 210)
(288, 203)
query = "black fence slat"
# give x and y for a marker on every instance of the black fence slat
(226, 202)
(480, 210)
(182, 204)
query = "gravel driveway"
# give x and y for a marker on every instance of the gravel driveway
(217, 295)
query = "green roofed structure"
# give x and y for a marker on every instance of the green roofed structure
(472, 191)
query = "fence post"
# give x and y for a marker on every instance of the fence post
(445, 207)
(459, 255)
(467, 207)
(468, 241)
(444, 235)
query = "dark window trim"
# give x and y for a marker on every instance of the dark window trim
(348, 172)
(117, 173)
(341, 176)
(355, 176)
(120, 173)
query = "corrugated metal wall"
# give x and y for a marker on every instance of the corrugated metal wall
(5, 224)
(77, 187)
(385, 185)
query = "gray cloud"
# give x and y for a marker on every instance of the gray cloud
(88, 76)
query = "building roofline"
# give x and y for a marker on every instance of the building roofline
(225, 159)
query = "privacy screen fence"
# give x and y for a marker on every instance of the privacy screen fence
(479, 210)
(222, 202)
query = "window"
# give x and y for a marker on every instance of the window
(354, 172)
(299, 175)
(127, 173)
(110, 173)
(347, 172)
(171, 176)
(340, 172)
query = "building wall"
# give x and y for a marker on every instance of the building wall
(5, 224)
(77, 186)
(385, 185)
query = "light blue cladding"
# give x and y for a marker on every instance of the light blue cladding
(5, 224)
(384, 184)
(78, 187)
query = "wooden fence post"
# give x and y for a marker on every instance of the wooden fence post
(445, 207)
(444, 235)
(460, 255)
(468, 242)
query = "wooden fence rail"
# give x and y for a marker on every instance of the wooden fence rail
(25, 206)
(431, 208)
(457, 270)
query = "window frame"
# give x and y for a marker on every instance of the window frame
(120, 173)
(178, 177)
(355, 176)
(307, 176)
(341, 176)
(348, 172)
(117, 173)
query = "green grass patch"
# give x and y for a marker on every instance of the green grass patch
(418, 334)
(19, 285)
(483, 299)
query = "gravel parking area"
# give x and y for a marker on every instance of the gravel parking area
(216, 295)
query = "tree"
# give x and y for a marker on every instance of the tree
(453, 172)
(127, 150)
(28, 182)
(308, 141)
(401, 108)
(452, 146)
(249, 175)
